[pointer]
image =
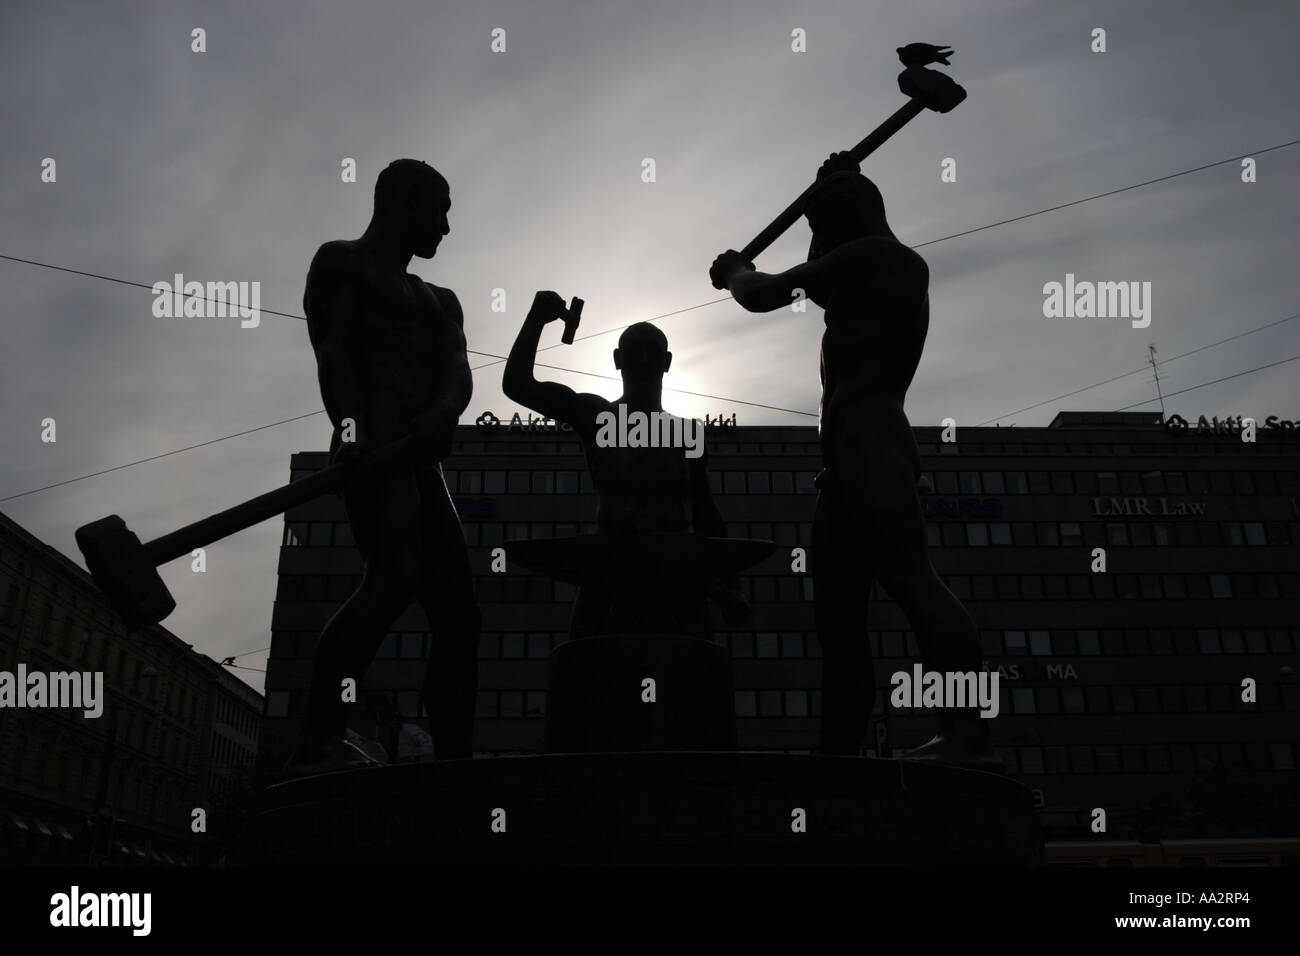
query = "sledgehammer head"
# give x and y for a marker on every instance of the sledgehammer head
(937, 91)
(124, 572)
(571, 320)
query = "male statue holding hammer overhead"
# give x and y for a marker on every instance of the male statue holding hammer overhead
(868, 523)
(390, 352)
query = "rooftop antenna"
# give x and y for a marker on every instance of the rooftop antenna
(1151, 357)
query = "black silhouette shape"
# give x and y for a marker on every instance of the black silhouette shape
(868, 522)
(640, 490)
(390, 351)
(923, 54)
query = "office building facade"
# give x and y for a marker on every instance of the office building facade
(1134, 583)
(177, 732)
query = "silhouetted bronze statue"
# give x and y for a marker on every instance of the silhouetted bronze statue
(639, 489)
(868, 522)
(390, 351)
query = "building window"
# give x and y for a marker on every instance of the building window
(535, 703)
(1146, 700)
(1031, 760)
(1220, 586)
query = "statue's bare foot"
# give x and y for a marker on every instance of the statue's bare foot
(950, 749)
(325, 756)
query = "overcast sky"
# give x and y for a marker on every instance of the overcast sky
(225, 166)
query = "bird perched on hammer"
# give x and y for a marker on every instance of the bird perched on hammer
(923, 54)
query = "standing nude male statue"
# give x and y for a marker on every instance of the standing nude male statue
(640, 489)
(868, 522)
(390, 352)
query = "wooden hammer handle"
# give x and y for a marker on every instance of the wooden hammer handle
(902, 116)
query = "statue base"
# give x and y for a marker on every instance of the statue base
(600, 698)
(649, 808)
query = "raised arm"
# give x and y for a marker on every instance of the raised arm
(763, 292)
(548, 398)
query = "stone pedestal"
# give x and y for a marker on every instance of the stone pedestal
(649, 808)
(596, 700)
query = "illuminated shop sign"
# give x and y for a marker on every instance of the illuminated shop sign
(1177, 425)
(1139, 506)
(1030, 669)
(488, 423)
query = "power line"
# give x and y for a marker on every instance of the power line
(1143, 369)
(241, 667)
(138, 285)
(620, 328)
(303, 318)
(1111, 192)
(929, 242)
(500, 358)
(176, 451)
(682, 391)
(1257, 368)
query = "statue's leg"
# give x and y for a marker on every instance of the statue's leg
(841, 583)
(879, 471)
(378, 512)
(446, 592)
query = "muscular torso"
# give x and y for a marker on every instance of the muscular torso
(400, 338)
(877, 317)
(638, 489)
